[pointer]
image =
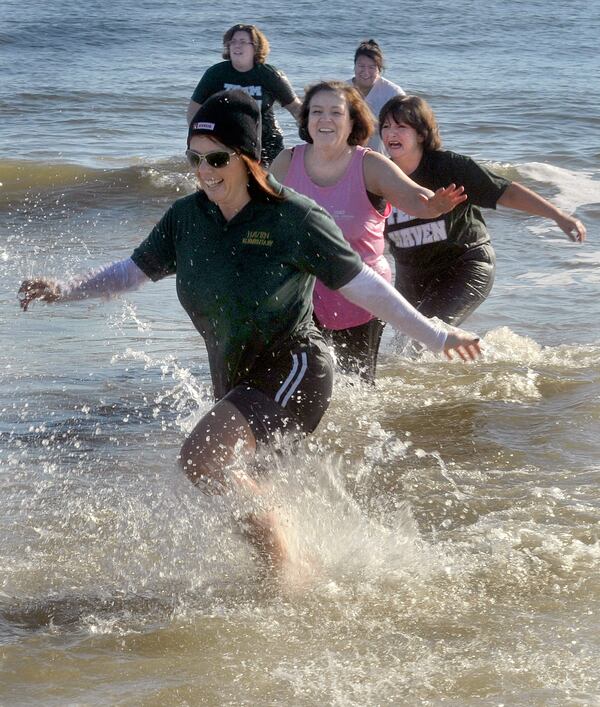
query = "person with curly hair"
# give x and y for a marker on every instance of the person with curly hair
(245, 49)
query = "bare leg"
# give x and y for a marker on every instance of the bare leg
(213, 444)
(221, 435)
(264, 531)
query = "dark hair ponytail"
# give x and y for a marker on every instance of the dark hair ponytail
(372, 50)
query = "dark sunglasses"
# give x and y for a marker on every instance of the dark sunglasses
(218, 158)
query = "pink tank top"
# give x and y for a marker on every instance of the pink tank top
(360, 222)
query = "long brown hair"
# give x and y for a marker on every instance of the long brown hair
(261, 43)
(417, 113)
(360, 113)
(259, 186)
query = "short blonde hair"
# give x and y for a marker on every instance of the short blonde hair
(261, 43)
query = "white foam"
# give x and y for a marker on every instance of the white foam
(549, 278)
(574, 188)
(326, 523)
(574, 276)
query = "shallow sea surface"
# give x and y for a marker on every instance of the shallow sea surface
(449, 518)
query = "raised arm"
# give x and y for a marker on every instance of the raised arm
(518, 197)
(371, 292)
(386, 179)
(116, 278)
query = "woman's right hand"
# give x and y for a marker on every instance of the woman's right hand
(39, 288)
(464, 344)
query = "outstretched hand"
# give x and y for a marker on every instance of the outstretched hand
(572, 227)
(464, 344)
(39, 288)
(444, 200)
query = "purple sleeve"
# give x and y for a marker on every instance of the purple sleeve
(120, 276)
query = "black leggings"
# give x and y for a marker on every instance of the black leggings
(356, 348)
(451, 293)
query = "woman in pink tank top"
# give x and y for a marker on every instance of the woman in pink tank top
(357, 187)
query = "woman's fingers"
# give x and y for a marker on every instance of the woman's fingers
(577, 231)
(462, 343)
(572, 226)
(41, 289)
(446, 198)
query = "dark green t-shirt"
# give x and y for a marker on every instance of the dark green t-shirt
(264, 83)
(247, 284)
(426, 243)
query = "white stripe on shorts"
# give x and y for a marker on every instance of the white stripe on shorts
(293, 380)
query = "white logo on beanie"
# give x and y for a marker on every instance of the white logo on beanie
(203, 126)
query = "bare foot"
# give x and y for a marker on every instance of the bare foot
(299, 574)
(294, 571)
(265, 532)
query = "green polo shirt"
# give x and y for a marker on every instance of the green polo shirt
(247, 284)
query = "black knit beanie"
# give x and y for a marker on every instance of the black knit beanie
(233, 118)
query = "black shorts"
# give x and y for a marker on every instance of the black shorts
(287, 391)
(453, 292)
(356, 348)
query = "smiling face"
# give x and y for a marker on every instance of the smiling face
(366, 72)
(403, 143)
(242, 51)
(329, 122)
(226, 186)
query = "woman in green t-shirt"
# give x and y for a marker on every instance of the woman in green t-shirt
(245, 253)
(445, 265)
(245, 49)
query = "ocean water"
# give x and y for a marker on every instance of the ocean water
(450, 517)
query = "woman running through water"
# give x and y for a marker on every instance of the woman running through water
(245, 50)
(245, 253)
(445, 265)
(373, 87)
(356, 186)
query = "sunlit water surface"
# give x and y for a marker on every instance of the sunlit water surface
(446, 522)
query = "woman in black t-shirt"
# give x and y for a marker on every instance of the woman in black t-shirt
(245, 49)
(445, 266)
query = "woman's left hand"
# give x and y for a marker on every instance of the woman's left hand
(463, 343)
(444, 199)
(572, 227)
